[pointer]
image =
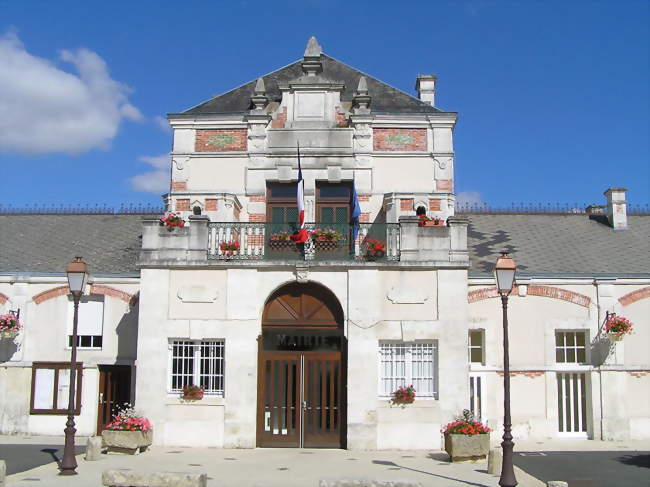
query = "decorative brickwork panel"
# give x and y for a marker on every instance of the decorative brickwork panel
(406, 204)
(183, 205)
(434, 205)
(634, 296)
(363, 197)
(3, 298)
(444, 185)
(399, 139)
(531, 374)
(221, 140)
(257, 217)
(179, 185)
(364, 218)
(280, 121)
(114, 293)
(257, 198)
(51, 293)
(210, 205)
(544, 291)
(638, 373)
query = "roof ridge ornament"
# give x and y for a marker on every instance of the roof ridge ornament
(361, 100)
(311, 62)
(259, 100)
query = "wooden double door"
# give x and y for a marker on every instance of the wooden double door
(114, 392)
(301, 399)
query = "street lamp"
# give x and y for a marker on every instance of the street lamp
(504, 275)
(77, 272)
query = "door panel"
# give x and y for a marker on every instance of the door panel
(572, 404)
(299, 402)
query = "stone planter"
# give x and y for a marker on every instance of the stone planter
(9, 334)
(131, 442)
(467, 447)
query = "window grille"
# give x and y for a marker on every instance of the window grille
(406, 363)
(197, 362)
(570, 347)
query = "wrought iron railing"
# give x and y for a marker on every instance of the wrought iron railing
(328, 241)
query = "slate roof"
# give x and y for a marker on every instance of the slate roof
(385, 98)
(560, 244)
(110, 244)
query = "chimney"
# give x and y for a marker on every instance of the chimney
(617, 208)
(425, 85)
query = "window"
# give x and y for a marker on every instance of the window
(51, 388)
(90, 322)
(476, 346)
(197, 362)
(281, 203)
(405, 363)
(570, 347)
(333, 202)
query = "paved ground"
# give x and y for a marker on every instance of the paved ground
(589, 469)
(22, 457)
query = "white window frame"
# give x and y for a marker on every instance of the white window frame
(574, 347)
(84, 302)
(214, 377)
(471, 347)
(394, 380)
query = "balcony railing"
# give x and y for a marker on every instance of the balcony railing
(332, 242)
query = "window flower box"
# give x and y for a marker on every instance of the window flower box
(403, 395)
(129, 432)
(193, 393)
(228, 249)
(466, 439)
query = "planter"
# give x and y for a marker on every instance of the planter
(615, 337)
(467, 447)
(432, 223)
(193, 396)
(9, 334)
(401, 402)
(131, 442)
(330, 249)
(282, 248)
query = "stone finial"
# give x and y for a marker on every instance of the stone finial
(259, 98)
(313, 48)
(260, 89)
(361, 99)
(311, 63)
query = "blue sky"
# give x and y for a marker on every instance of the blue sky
(552, 95)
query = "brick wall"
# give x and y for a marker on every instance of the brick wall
(183, 205)
(443, 185)
(406, 204)
(434, 205)
(280, 121)
(221, 140)
(257, 198)
(210, 205)
(399, 139)
(364, 218)
(179, 185)
(257, 217)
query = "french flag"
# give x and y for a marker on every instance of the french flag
(301, 236)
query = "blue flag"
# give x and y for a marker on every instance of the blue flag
(356, 213)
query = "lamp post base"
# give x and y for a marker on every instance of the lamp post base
(68, 465)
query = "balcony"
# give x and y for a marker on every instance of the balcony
(272, 241)
(204, 243)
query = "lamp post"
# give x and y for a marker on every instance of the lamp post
(504, 275)
(77, 272)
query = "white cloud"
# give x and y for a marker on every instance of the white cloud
(156, 181)
(163, 123)
(48, 110)
(469, 198)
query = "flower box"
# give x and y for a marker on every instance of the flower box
(131, 442)
(403, 395)
(193, 393)
(462, 447)
(615, 337)
(432, 223)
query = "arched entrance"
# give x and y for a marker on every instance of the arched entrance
(302, 370)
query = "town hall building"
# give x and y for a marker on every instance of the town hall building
(302, 344)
